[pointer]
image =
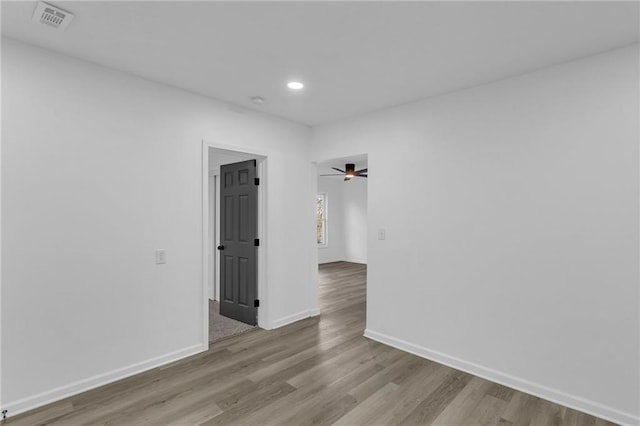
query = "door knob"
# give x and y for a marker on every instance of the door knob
(220, 247)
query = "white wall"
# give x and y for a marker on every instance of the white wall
(100, 168)
(347, 220)
(355, 220)
(511, 229)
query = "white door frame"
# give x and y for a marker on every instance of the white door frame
(214, 232)
(216, 236)
(1, 406)
(214, 276)
(262, 294)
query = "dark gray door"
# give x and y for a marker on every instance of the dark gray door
(238, 246)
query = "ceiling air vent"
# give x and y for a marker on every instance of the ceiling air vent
(52, 16)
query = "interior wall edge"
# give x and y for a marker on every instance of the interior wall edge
(29, 403)
(541, 391)
(359, 260)
(331, 260)
(281, 322)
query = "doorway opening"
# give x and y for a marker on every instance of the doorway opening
(233, 224)
(341, 213)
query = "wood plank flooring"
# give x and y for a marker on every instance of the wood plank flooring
(315, 371)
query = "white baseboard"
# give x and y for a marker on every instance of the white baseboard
(344, 259)
(553, 395)
(53, 395)
(322, 262)
(295, 317)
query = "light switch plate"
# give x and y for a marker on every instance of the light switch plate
(382, 234)
(161, 257)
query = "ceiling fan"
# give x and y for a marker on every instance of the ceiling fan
(349, 172)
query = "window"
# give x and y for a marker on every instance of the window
(321, 216)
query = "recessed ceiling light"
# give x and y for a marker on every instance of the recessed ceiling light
(295, 85)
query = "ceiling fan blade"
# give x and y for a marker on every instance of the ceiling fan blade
(341, 171)
(364, 176)
(361, 171)
(346, 178)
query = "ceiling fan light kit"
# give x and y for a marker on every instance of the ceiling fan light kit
(349, 172)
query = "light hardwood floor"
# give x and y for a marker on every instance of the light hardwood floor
(315, 371)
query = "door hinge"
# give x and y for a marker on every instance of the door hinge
(256, 303)
(4, 414)
(256, 242)
(256, 181)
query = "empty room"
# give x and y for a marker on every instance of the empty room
(320, 212)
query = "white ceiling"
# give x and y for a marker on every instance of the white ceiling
(354, 57)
